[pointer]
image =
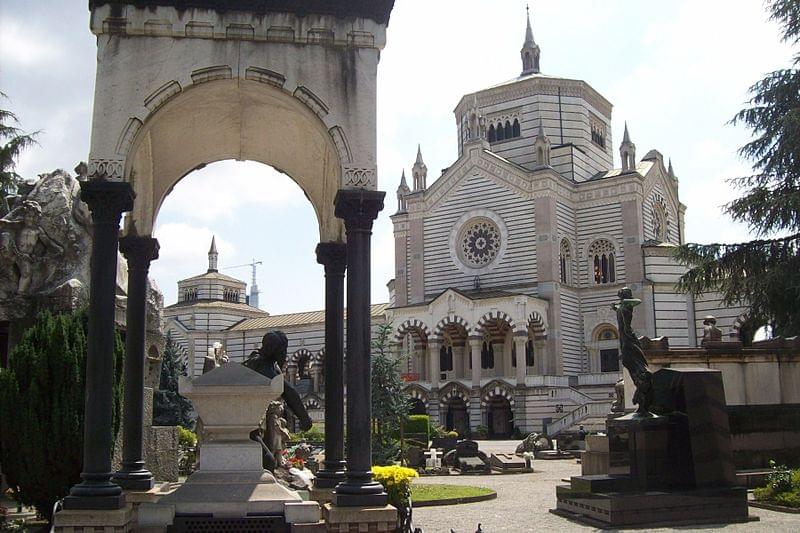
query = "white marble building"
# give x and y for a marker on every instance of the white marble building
(506, 265)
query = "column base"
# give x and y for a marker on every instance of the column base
(96, 503)
(354, 494)
(366, 518)
(141, 480)
(330, 475)
(91, 521)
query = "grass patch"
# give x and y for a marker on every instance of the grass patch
(423, 492)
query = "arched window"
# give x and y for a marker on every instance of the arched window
(446, 358)
(515, 128)
(602, 262)
(487, 355)
(529, 359)
(500, 132)
(491, 135)
(509, 131)
(565, 262)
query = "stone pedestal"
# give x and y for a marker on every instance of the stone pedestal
(360, 519)
(594, 459)
(93, 521)
(230, 486)
(672, 468)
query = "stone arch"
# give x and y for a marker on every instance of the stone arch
(413, 327)
(497, 388)
(418, 393)
(736, 327)
(449, 321)
(536, 325)
(312, 402)
(234, 118)
(598, 333)
(454, 390)
(494, 316)
(301, 359)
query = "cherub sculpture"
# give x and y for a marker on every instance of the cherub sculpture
(277, 432)
(25, 242)
(631, 351)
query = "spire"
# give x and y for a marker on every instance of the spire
(213, 255)
(627, 152)
(402, 191)
(419, 171)
(670, 170)
(530, 50)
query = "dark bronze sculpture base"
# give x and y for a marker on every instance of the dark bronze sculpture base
(670, 469)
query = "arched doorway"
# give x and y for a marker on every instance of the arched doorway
(500, 418)
(417, 407)
(456, 416)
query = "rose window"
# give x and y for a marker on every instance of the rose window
(480, 242)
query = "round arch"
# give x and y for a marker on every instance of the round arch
(233, 119)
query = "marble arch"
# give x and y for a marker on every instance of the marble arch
(184, 83)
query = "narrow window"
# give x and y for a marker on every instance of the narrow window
(515, 128)
(529, 361)
(509, 132)
(598, 277)
(491, 135)
(604, 269)
(500, 132)
(611, 268)
(514, 355)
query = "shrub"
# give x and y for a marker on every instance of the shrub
(780, 479)
(186, 437)
(787, 499)
(312, 435)
(481, 432)
(42, 408)
(418, 424)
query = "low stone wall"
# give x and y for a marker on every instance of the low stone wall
(762, 391)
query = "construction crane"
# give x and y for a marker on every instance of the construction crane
(253, 285)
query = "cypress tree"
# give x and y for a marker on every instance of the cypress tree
(41, 408)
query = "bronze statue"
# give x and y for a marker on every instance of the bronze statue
(631, 351)
(711, 333)
(268, 361)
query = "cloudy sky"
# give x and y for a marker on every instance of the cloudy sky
(675, 70)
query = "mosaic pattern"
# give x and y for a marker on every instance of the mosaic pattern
(480, 242)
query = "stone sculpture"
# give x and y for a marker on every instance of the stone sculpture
(711, 333)
(215, 357)
(268, 361)
(631, 350)
(618, 406)
(277, 433)
(534, 442)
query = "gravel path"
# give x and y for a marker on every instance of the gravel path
(524, 500)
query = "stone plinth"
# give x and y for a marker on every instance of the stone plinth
(594, 459)
(671, 468)
(93, 521)
(360, 519)
(230, 482)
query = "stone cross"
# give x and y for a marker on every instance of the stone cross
(433, 458)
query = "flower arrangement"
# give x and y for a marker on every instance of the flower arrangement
(397, 482)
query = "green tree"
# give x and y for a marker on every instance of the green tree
(390, 404)
(169, 407)
(14, 141)
(763, 274)
(42, 407)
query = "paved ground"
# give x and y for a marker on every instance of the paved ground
(523, 502)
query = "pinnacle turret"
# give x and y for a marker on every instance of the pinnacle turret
(419, 172)
(530, 51)
(627, 152)
(213, 256)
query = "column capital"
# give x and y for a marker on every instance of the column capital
(475, 339)
(358, 207)
(107, 200)
(139, 251)
(333, 256)
(521, 335)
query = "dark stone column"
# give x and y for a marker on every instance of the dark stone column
(107, 201)
(138, 251)
(358, 208)
(333, 256)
